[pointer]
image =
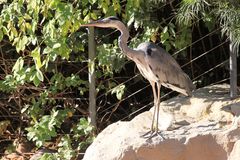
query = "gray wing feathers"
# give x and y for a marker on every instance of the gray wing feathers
(169, 72)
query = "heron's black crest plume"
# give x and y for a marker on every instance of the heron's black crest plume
(114, 18)
(149, 51)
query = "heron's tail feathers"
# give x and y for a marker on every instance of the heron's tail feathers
(183, 85)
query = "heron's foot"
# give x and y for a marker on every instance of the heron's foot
(150, 134)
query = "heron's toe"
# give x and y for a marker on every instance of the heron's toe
(150, 134)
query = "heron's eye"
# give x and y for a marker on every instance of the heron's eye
(149, 51)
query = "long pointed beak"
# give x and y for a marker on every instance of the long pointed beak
(97, 23)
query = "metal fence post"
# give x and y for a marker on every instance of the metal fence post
(233, 69)
(91, 77)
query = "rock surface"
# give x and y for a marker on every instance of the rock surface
(203, 127)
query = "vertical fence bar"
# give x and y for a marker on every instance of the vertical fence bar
(233, 69)
(91, 77)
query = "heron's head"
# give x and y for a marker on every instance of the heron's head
(109, 22)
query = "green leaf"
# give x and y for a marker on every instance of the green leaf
(111, 11)
(28, 27)
(34, 40)
(117, 6)
(39, 75)
(48, 156)
(24, 40)
(119, 91)
(3, 1)
(92, 1)
(164, 35)
(104, 7)
(21, 44)
(56, 45)
(36, 81)
(36, 56)
(137, 3)
(18, 65)
(85, 12)
(84, 2)
(165, 29)
(39, 143)
(93, 16)
(87, 17)
(1, 34)
(65, 27)
(64, 51)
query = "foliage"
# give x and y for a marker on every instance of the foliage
(48, 156)
(42, 35)
(226, 11)
(229, 20)
(45, 129)
(119, 91)
(65, 148)
(83, 128)
(190, 9)
(66, 151)
(110, 58)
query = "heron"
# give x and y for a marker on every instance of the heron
(153, 62)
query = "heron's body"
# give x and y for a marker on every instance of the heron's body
(153, 62)
(160, 66)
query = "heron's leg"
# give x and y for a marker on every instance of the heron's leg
(155, 103)
(150, 133)
(158, 104)
(154, 129)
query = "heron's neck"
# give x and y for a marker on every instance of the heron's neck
(122, 41)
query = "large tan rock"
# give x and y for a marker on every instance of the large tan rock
(235, 154)
(202, 127)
